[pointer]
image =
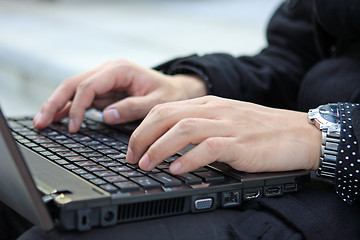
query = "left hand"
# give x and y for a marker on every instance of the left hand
(246, 136)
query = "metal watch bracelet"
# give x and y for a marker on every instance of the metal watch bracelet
(329, 152)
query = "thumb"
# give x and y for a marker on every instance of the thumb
(129, 109)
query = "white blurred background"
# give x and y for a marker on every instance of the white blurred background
(42, 42)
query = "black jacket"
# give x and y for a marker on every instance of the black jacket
(312, 58)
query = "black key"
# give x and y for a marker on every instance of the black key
(147, 183)
(53, 157)
(201, 169)
(59, 149)
(67, 154)
(117, 178)
(38, 149)
(106, 173)
(101, 159)
(111, 164)
(46, 153)
(76, 158)
(210, 176)
(70, 166)
(85, 163)
(189, 179)
(121, 169)
(95, 168)
(83, 150)
(88, 176)
(117, 156)
(149, 172)
(131, 174)
(74, 145)
(98, 181)
(109, 151)
(127, 186)
(79, 171)
(166, 179)
(61, 162)
(50, 145)
(110, 188)
(91, 154)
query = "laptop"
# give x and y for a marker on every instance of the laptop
(81, 181)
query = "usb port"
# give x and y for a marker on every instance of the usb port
(273, 191)
(290, 187)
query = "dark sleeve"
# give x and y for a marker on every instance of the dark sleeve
(273, 76)
(347, 174)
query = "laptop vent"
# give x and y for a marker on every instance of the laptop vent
(151, 209)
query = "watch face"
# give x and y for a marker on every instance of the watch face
(330, 112)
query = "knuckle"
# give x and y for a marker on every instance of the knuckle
(186, 126)
(213, 145)
(161, 110)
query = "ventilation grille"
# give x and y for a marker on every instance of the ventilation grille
(151, 209)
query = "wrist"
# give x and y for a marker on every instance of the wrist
(192, 85)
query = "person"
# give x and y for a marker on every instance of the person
(249, 112)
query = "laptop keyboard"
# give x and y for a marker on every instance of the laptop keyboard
(97, 153)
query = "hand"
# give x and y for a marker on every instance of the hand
(247, 136)
(123, 90)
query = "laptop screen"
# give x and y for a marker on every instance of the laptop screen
(17, 188)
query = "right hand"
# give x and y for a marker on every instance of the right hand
(123, 90)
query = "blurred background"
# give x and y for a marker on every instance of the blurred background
(43, 42)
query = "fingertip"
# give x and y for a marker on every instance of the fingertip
(72, 128)
(130, 156)
(176, 168)
(111, 116)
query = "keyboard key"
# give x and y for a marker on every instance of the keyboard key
(67, 154)
(95, 168)
(110, 188)
(76, 158)
(166, 179)
(121, 169)
(110, 164)
(85, 163)
(117, 178)
(106, 173)
(210, 176)
(147, 183)
(70, 166)
(79, 171)
(88, 176)
(131, 174)
(189, 179)
(61, 162)
(101, 159)
(98, 181)
(127, 186)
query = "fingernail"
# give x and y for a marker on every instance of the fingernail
(72, 126)
(111, 116)
(144, 162)
(130, 156)
(175, 167)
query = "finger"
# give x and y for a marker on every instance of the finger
(208, 151)
(187, 131)
(63, 112)
(58, 100)
(160, 119)
(130, 108)
(91, 87)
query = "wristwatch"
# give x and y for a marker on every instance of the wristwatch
(327, 119)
